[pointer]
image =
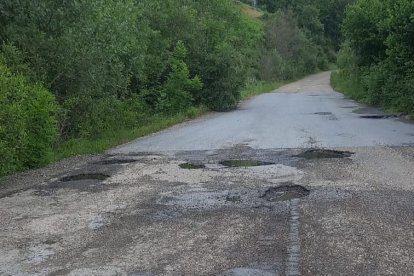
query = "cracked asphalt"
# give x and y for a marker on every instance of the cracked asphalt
(135, 211)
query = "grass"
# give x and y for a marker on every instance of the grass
(111, 139)
(81, 146)
(354, 90)
(250, 11)
(260, 88)
(348, 87)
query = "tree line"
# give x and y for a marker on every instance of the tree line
(377, 56)
(80, 68)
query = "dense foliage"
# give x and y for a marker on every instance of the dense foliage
(319, 19)
(113, 65)
(301, 36)
(27, 121)
(377, 59)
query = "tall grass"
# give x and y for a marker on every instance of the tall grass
(260, 88)
(111, 139)
(348, 86)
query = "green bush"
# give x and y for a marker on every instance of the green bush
(27, 123)
(116, 65)
(178, 90)
(378, 54)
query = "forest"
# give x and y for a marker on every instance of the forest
(80, 76)
(376, 59)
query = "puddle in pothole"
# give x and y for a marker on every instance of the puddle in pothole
(324, 153)
(376, 116)
(285, 192)
(191, 166)
(115, 161)
(323, 113)
(91, 176)
(244, 163)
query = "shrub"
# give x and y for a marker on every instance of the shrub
(378, 53)
(178, 90)
(27, 123)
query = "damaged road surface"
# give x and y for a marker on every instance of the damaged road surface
(293, 183)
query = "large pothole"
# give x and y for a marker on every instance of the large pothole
(285, 192)
(89, 176)
(324, 153)
(115, 161)
(378, 116)
(192, 166)
(244, 163)
(323, 113)
(88, 182)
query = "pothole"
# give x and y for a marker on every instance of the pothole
(324, 153)
(115, 161)
(192, 166)
(285, 193)
(323, 113)
(244, 163)
(78, 177)
(377, 116)
(233, 197)
(42, 193)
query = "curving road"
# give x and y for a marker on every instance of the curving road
(303, 114)
(137, 210)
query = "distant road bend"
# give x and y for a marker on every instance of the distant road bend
(303, 114)
(298, 182)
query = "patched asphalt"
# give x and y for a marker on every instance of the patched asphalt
(262, 201)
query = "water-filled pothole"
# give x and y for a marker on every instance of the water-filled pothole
(244, 163)
(115, 161)
(89, 176)
(376, 116)
(323, 113)
(324, 153)
(192, 166)
(285, 192)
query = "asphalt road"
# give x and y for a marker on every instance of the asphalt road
(303, 114)
(302, 211)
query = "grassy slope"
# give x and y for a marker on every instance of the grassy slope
(111, 139)
(250, 11)
(260, 88)
(355, 91)
(346, 86)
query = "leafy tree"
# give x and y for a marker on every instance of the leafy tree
(27, 122)
(287, 52)
(113, 64)
(380, 52)
(178, 90)
(363, 31)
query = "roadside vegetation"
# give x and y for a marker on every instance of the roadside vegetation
(82, 76)
(376, 60)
